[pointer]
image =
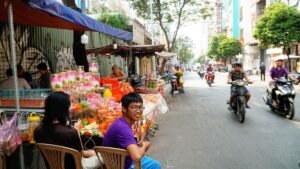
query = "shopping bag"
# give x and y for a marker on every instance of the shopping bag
(9, 136)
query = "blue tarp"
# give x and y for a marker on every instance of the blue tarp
(59, 10)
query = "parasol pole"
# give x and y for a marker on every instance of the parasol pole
(14, 67)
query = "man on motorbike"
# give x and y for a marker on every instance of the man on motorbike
(210, 69)
(276, 73)
(238, 74)
(179, 73)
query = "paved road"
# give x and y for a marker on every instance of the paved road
(200, 133)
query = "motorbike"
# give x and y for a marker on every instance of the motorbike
(284, 98)
(296, 76)
(201, 74)
(209, 78)
(238, 106)
(175, 86)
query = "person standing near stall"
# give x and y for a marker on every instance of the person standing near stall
(44, 81)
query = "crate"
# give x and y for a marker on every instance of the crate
(29, 98)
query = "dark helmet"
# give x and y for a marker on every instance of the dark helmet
(176, 66)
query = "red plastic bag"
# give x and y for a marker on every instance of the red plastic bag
(9, 136)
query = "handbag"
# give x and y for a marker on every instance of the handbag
(9, 135)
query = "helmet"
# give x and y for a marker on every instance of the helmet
(237, 64)
(136, 80)
(176, 66)
(279, 60)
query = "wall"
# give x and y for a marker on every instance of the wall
(53, 47)
(35, 45)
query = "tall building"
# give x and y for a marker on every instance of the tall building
(225, 15)
(249, 10)
(218, 16)
(233, 18)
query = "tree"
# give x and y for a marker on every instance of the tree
(183, 47)
(213, 46)
(114, 20)
(172, 12)
(279, 26)
(229, 47)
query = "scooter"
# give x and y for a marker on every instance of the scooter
(284, 98)
(238, 106)
(201, 74)
(175, 85)
(296, 76)
(209, 78)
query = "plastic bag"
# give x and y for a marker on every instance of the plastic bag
(9, 136)
(181, 80)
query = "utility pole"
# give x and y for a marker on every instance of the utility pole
(152, 36)
(152, 21)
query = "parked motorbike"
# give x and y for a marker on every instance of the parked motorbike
(175, 86)
(209, 78)
(201, 74)
(284, 98)
(238, 106)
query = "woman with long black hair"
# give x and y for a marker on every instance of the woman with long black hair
(55, 129)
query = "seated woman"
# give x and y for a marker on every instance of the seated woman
(117, 73)
(10, 83)
(54, 129)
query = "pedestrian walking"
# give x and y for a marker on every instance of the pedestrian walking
(262, 69)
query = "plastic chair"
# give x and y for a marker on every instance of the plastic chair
(114, 158)
(55, 155)
(2, 161)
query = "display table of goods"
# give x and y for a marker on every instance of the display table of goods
(156, 85)
(95, 112)
(154, 104)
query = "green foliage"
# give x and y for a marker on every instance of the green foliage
(172, 12)
(229, 47)
(214, 45)
(114, 20)
(278, 26)
(200, 59)
(184, 47)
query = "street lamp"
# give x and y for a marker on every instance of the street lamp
(115, 46)
(84, 39)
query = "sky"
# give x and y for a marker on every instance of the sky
(197, 34)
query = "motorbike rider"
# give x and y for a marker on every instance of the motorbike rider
(276, 73)
(238, 74)
(179, 73)
(210, 69)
